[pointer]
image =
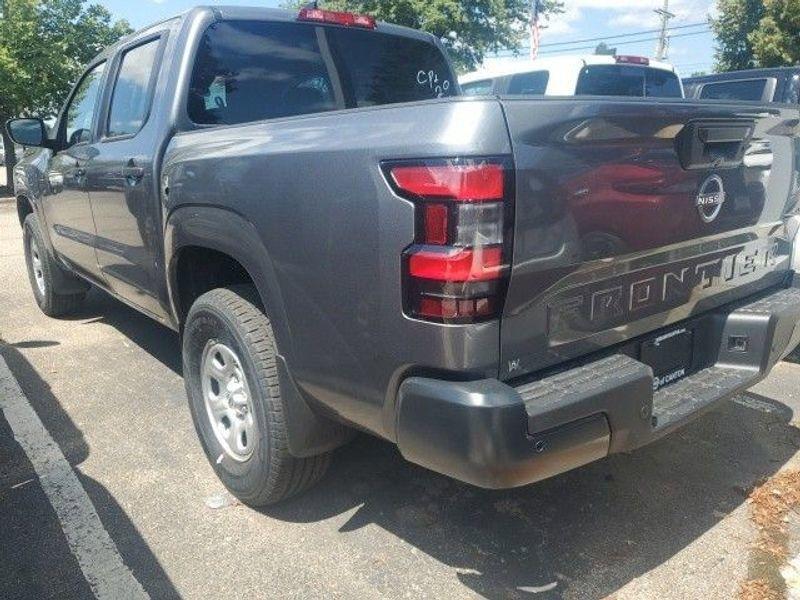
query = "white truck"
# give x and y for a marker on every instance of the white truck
(595, 75)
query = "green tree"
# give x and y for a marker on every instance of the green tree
(776, 41)
(44, 45)
(737, 20)
(469, 28)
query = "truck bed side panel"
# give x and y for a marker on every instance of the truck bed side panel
(313, 188)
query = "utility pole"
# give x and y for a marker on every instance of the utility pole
(663, 39)
(536, 28)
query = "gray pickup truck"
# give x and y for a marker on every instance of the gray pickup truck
(504, 287)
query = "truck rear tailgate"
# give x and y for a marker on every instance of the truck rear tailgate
(632, 216)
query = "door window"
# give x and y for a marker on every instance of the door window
(132, 95)
(80, 112)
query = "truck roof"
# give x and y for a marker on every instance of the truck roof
(558, 62)
(256, 13)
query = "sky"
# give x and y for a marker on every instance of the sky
(691, 50)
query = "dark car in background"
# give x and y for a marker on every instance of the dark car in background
(780, 86)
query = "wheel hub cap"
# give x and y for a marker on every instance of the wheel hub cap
(36, 266)
(228, 401)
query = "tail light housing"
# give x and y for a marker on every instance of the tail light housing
(456, 271)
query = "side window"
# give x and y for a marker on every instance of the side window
(251, 70)
(478, 88)
(131, 99)
(529, 84)
(80, 112)
(793, 90)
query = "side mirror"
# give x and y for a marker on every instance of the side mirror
(27, 132)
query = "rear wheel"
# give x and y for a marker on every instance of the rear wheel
(231, 377)
(45, 274)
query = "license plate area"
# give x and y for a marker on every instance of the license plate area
(669, 355)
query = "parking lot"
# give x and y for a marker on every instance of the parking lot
(671, 521)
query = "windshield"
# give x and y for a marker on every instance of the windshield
(628, 80)
(253, 70)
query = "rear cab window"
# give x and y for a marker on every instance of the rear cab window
(750, 89)
(628, 80)
(529, 84)
(254, 70)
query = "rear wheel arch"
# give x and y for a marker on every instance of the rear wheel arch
(199, 269)
(211, 248)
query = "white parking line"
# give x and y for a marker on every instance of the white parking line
(88, 540)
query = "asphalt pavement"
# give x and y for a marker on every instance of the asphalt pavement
(121, 494)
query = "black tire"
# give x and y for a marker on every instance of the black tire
(231, 316)
(52, 300)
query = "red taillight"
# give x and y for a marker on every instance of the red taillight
(345, 19)
(632, 60)
(462, 182)
(457, 265)
(457, 269)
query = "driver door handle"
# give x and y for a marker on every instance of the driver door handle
(133, 173)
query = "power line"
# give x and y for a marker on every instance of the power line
(504, 53)
(621, 35)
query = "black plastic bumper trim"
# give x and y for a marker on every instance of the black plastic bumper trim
(492, 435)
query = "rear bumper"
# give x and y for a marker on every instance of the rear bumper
(493, 435)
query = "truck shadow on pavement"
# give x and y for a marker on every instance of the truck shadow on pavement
(157, 340)
(584, 534)
(36, 561)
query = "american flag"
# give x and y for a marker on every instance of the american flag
(536, 30)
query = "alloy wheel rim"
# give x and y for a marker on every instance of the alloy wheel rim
(36, 266)
(228, 401)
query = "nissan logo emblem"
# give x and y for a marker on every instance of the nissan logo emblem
(711, 198)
